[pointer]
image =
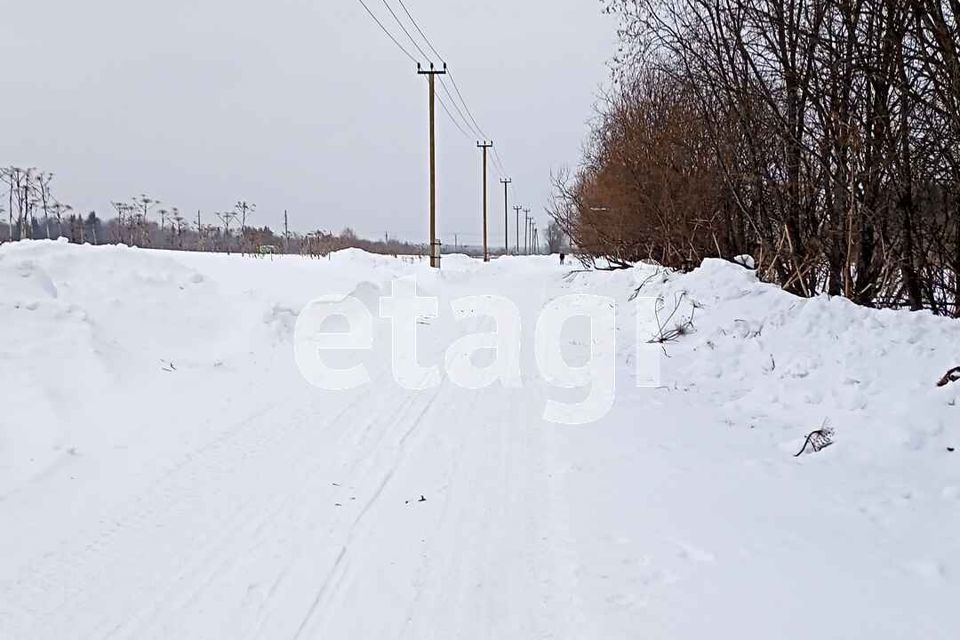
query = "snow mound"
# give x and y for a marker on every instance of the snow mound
(871, 373)
(166, 471)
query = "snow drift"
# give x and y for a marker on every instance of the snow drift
(165, 472)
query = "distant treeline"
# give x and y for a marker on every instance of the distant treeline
(820, 136)
(31, 211)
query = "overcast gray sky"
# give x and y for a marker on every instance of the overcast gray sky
(302, 105)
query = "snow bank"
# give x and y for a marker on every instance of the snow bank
(166, 472)
(693, 498)
(871, 374)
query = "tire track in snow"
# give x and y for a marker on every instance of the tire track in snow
(188, 482)
(337, 571)
(308, 476)
(48, 573)
(349, 466)
(242, 558)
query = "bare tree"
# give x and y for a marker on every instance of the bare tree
(243, 209)
(554, 237)
(143, 205)
(227, 218)
(820, 136)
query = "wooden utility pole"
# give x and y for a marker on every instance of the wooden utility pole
(286, 232)
(526, 231)
(432, 74)
(506, 211)
(518, 208)
(484, 146)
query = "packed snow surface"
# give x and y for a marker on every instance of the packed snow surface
(167, 472)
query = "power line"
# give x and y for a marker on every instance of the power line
(389, 35)
(457, 89)
(498, 165)
(452, 119)
(477, 128)
(454, 103)
(499, 168)
(404, 29)
(499, 160)
(468, 120)
(414, 60)
(420, 31)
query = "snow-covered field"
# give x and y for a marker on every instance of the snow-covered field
(167, 472)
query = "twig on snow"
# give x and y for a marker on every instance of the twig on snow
(681, 328)
(817, 440)
(950, 376)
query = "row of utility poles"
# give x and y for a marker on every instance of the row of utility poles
(531, 235)
(530, 232)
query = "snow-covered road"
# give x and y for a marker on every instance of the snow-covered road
(166, 472)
